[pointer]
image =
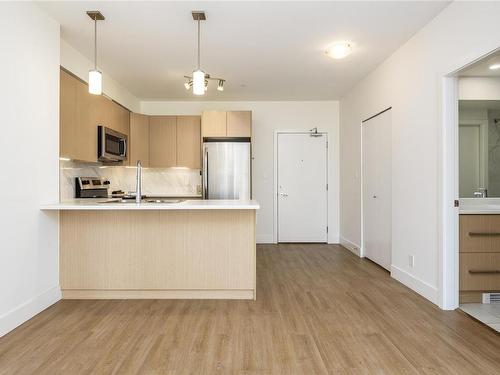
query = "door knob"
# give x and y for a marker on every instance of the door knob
(374, 196)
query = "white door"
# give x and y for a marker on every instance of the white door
(302, 190)
(377, 189)
(473, 156)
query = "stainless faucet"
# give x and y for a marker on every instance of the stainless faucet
(480, 193)
(138, 192)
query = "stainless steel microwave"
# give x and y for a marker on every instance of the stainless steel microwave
(111, 145)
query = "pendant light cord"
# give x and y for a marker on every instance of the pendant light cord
(198, 43)
(95, 42)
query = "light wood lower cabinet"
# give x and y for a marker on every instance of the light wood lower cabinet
(480, 271)
(162, 141)
(479, 256)
(157, 254)
(139, 139)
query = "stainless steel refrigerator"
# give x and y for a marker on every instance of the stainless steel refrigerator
(226, 168)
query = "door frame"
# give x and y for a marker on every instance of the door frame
(448, 182)
(362, 171)
(275, 177)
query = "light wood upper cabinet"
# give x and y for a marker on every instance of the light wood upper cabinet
(188, 142)
(67, 115)
(80, 115)
(163, 141)
(139, 139)
(87, 113)
(213, 124)
(117, 117)
(239, 123)
(226, 124)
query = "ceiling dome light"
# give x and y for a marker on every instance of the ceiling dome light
(339, 50)
(495, 66)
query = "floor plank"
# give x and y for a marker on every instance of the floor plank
(319, 310)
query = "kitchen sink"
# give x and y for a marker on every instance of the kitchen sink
(146, 200)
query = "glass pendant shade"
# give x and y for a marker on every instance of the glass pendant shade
(198, 82)
(95, 82)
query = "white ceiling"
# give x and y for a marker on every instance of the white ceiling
(481, 68)
(265, 50)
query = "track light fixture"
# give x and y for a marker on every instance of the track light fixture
(199, 79)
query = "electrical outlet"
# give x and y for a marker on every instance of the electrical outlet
(411, 261)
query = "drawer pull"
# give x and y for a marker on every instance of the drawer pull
(489, 272)
(488, 234)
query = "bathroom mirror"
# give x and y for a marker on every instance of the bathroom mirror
(479, 148)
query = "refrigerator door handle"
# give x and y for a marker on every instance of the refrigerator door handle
(205, 167)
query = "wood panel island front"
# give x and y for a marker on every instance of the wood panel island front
(202, 249)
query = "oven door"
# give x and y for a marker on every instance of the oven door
(111, 145)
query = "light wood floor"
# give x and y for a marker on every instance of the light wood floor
(319, 310)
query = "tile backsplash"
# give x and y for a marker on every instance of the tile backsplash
(155, 181)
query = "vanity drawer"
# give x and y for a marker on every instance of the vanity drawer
(479, 233)
(480, 271)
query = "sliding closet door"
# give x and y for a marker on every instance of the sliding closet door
(377, 189)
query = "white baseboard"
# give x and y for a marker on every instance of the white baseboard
(421, 287)
(351, 246)
(334, 240)
(28, 309)
(265, 238)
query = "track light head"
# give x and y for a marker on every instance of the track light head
(220, 86)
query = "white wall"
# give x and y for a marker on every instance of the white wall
(411, 82)
(79, 65)
(267, 117)
(29, 148)
(479, 88)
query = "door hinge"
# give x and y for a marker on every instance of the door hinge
(327, 229)
(326, 186)
(457, 203)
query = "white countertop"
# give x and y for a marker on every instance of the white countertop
(479, 206)
(190, 204)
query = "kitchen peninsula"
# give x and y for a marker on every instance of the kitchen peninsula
(192, 249)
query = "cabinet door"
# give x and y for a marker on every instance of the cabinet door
(239, 124)
(139, 139)
(213, 124)
(162, 141)
(188, 142)
(67, 116)
(87, 111)
(117, 117)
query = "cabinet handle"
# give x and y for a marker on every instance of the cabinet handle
(488, 234)
(489, 272)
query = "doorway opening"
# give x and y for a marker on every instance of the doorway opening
(470, 262)
(301, 187)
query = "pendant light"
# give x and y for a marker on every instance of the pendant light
(95, 76)
(199, 79)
